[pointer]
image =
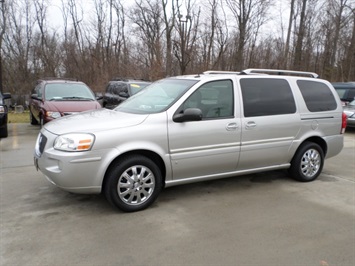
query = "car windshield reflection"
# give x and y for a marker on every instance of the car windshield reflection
(157, 97)
(68, 92)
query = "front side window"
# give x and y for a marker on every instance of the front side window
(215, 99)
(265, 96)
(136, 87)
(38, 91)
(317, 95)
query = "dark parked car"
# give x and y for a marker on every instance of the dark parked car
(54, 98)
(3, 114)
(119, 90)
(349, 110)
(346, 91)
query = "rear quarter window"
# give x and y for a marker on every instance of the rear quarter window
(263, 97)
(317, 96)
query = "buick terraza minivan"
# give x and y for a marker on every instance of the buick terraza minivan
(194, 128)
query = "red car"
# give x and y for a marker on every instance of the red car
(54, 98)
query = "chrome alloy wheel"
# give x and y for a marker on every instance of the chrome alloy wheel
(136, 185)
(311, 163)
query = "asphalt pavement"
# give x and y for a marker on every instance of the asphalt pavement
(260, 219)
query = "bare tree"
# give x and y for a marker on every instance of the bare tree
(288, 37)
(2, 32)
(19, 66)
(46, 50)
(249, 15)
(213, 32)
(300, 36)
(169, 22)
(348, 72)
(148, 17)
(187, 30)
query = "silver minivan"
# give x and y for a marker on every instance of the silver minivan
(193, 128)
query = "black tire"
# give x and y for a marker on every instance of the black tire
(135, 192)
(33, 120)
(3, 132)
(41, 121)
(307, 164)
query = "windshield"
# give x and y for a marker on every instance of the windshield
(68, 92)
(157, 97)
(136, 87)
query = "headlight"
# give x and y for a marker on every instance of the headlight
(74, 142)
(53, 114)
(2, 109)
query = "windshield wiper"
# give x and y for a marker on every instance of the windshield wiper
(77, 98)
(56, 99)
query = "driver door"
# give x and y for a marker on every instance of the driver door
(210, 146)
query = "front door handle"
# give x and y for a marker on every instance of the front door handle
(250, 124)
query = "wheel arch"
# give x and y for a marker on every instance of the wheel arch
(315, 139)
(321, 142)
(146, 153)
(309, 169)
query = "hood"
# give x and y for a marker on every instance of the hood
(349, 108)
(71, 106)
(93, 121)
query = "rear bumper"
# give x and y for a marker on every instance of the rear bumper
(335, 144)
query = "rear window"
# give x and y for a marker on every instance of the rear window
(341, 93)
(263, 97)
(317, 95)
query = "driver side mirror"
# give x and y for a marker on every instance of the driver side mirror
(35, 97)
(190, 114)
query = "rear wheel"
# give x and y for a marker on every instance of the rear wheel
(307, 163)
(133, 183)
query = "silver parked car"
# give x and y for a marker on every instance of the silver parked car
(349, 110)
(195, 128)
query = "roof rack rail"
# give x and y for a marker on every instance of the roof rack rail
(56, 78)
(279, 72)
(211, 72)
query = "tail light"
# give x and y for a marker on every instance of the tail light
(343, 123)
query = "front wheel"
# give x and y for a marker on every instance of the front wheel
(307, 164)
(33, 120)
(133, 183)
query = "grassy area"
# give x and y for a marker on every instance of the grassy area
(18, 117)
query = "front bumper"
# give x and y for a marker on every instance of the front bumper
(350, 122)
(77, 172)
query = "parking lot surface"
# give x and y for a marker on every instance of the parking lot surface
(260, 219)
